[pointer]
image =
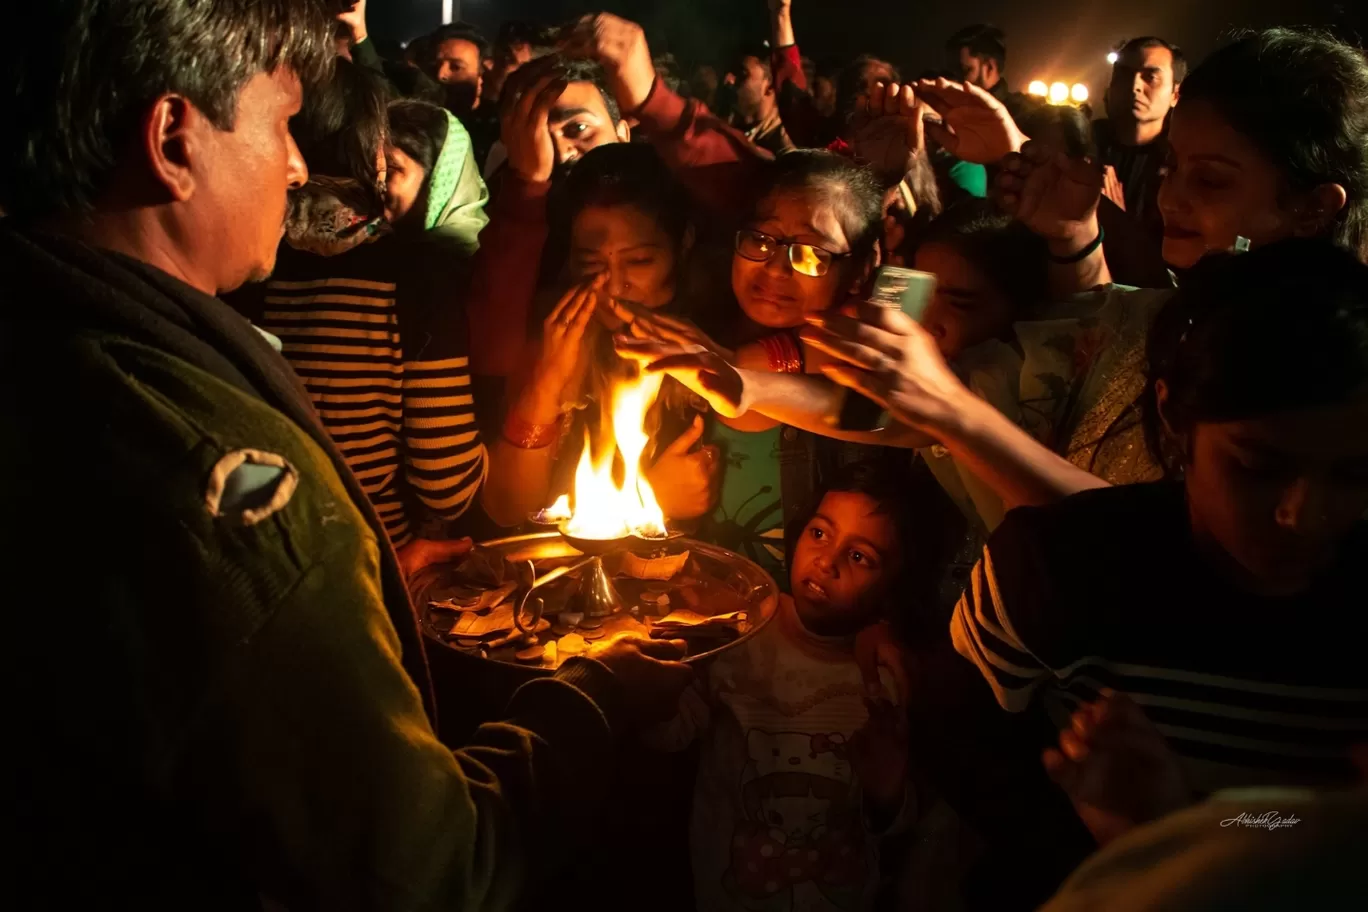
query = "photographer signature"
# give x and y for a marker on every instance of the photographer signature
(1269, 820)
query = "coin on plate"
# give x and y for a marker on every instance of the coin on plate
(591, 623)
(532, 655)
(595, 634)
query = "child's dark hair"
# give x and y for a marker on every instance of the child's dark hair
(1280, 328)
(881, 484)
(419, 129)
(854, 191)
(342, 126)
(1013, 258)
(929, 526)
(1302, 98)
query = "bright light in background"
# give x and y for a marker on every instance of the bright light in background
(1113, 57)
(450, 10)
(1059, 93)
(1079, 93)
(1039, 88)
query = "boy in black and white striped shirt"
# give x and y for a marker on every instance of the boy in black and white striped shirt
(1225, 606)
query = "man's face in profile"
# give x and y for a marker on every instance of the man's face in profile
(243, 178)
(752, 87)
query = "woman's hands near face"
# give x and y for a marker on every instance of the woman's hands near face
(563, 335)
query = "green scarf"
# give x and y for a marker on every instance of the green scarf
(446, 175)
(456, 193)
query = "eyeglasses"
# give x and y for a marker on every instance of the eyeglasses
(805, 259)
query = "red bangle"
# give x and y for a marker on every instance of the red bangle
(785, 357)
(528, 436)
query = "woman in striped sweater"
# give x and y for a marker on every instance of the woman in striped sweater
(371, 321)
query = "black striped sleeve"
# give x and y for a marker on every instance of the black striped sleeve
(1005, 586)
(444, 456)
(443, 453)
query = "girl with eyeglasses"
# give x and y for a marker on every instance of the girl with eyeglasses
(806, 247)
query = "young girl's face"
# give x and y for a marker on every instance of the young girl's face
(1220, 186)
(630, 246)
(771, 292)
(968, 308)
(844, 561)
(404, 179)
(1279, 494)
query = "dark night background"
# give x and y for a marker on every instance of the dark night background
(1047, 39)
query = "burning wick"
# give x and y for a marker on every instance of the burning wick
(559, 511)
(604, 510)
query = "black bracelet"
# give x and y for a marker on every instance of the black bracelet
(1084, 253)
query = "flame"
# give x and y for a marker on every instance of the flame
(602, 508)
(559, 511)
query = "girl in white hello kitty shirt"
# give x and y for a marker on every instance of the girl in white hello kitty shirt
(803, 765)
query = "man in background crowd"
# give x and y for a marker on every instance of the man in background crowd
(1132, 140)
(455, 57)
(584, 117)
(457, 62)
(756, 106)
(1132, 144)
(978, 55)
(515, 45)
